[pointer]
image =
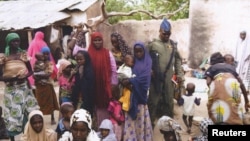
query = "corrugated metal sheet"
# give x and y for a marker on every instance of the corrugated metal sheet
(37, 13)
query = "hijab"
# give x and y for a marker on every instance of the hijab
(107, 124)
(141, 83)
(44, 135)
(63, 63)
(100, 59)
(122, 44)
(8, 39)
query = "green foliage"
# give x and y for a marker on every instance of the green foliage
(156, 7)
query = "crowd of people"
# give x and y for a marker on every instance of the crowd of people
(119, 94)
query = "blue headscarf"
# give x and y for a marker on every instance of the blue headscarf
(141, 81)
(45, 50)
(165, 25)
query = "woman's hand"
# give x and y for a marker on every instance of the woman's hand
(247, 105)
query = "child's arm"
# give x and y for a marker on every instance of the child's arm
(180, 101)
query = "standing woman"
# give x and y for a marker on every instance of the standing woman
(83, 90)
(34, 47)
(19, 100)
(120, 48)
(104, 66)
(137, 120)
(45, 92)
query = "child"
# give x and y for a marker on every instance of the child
(229, 59)
(3, 130)
(125, 71)
(35, 129)
(66, 110)
(65, 80)
(188, 101)
(116, 114)
(106, 131)
(40, 68)
(169, 128)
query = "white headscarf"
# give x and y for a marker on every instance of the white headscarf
(44, 135)
(107, 124)
(84, 116)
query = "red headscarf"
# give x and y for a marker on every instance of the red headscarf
(102, 69)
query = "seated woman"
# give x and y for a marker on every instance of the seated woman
(224, 102)
(35, 129)
(80, 127)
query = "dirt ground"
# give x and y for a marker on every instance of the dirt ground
(201, 111)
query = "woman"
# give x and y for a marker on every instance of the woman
(120, 48)
(83, 89)
(137, 120)
(224, 102)
(104, 66)
(45, 92)
(35, 129)
(80, 128)
(34, 47)
(18, 99)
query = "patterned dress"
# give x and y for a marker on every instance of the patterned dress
(19, 102)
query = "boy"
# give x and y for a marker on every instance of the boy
(188, 101)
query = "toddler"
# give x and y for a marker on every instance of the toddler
(125, 71)
(188, 101)
(66, 110)
(116, 113)
(106, 131)
(40, 68)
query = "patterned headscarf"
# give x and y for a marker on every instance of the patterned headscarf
(8, 39)
(81, 115)
(63, 63)
(122, 44)
(204, 129)
(166, 123)
(81, 40)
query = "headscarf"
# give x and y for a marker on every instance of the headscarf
(141, 83)
(166, 123)
(204, 129)
(100, 59)
(107, 124)
(44, 135)
(63, 63)
(122, 44)
(8, 39)
(81, 40)
(84, 116)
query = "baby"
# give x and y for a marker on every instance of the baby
(40, 68)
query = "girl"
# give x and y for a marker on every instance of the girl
(80, 127)
(45, 93)
(106, 131)
(84, 82)
(35, 129)
(66, 81)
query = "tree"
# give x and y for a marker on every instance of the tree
(114, 11)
